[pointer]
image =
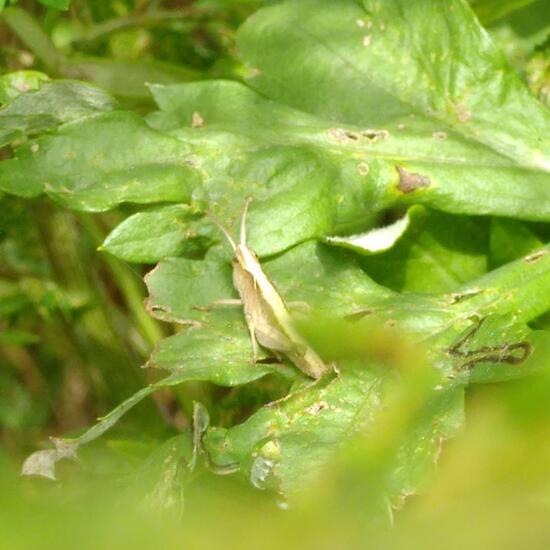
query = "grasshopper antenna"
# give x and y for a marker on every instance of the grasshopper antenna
(243, 220)
(217, 222)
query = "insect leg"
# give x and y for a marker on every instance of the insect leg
(253, 341)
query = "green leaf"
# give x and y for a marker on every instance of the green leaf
(220, 355)
(520, 288)
(126, 78)
(147, 237)
(49, 106)
(290, 177)
(377, 240)
(162, 473)
(43, 463)
(285, 445)
(179, 288)
(369, 169)
(367, 65)
(219, 351)
(98, 162)
(282, 446)
(499, 349)
(511, 239)
(520, 33)
(384, 106)
(491, 10)
(19, 82)
(325, 279)
(438, 253)
(331, 283)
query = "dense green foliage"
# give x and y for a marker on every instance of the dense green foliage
(398, 157)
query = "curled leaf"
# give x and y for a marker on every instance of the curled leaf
(376, 240)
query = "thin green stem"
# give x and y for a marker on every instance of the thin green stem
(29, 31)
(147, 19)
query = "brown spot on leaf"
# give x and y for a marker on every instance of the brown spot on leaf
(252, 72)
(347, 136)
(343, 136)
(363, 169)
(337, 134)
(409, 181)
(462, 114)
(457, 297)
(358, 315)
(197, 121)
(156, 308)
(375, 135)
(317, 408)
(352, 136)
(535, 256)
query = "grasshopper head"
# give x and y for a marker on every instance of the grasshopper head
(246, 257)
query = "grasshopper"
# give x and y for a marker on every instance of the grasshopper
(267, 317)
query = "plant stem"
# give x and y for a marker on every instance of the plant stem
(29, 31)
(147, 19)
